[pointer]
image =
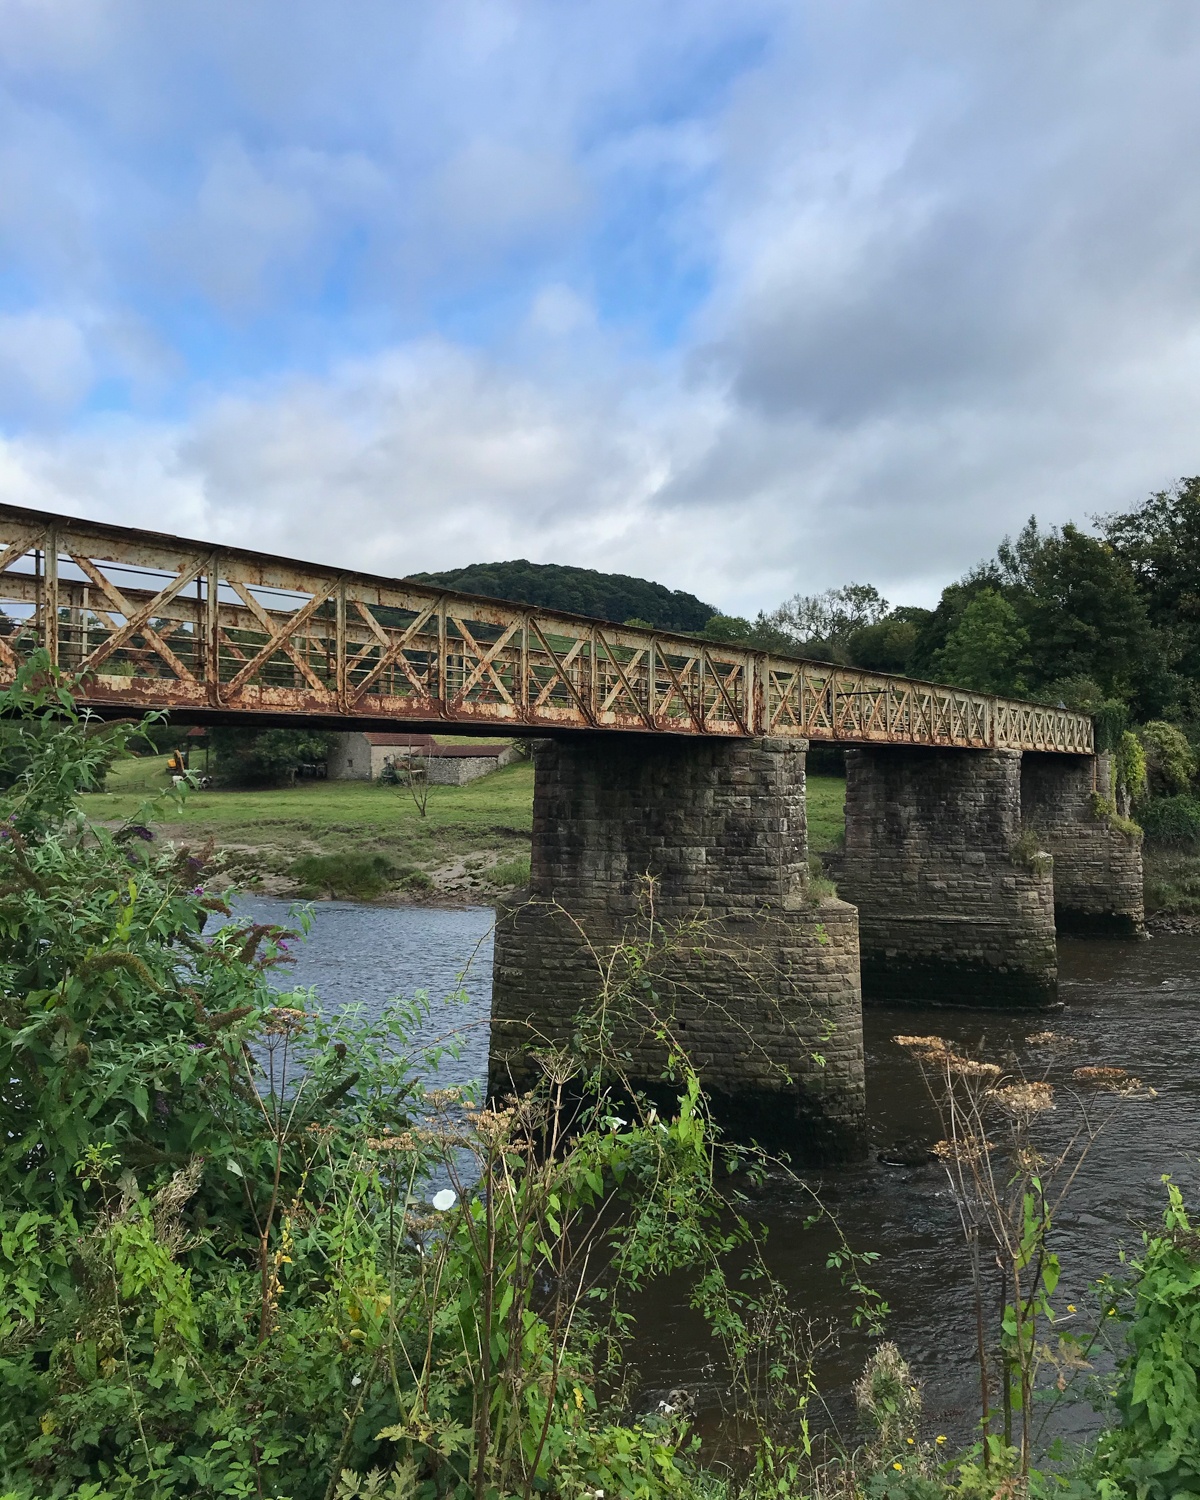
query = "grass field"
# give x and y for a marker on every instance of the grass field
(826, 798)
(473, 837)
(466, 829)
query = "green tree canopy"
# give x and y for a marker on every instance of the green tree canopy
(986, 650)
(1159, 540)
(1083, 611)
(265, 757)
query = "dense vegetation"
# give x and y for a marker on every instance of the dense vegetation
(245, 1252)
(580, 591)
(1059, 613)
(266, 757)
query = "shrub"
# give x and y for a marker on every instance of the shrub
(1171, 820)
(510, 872)
(1129, 766)
(1154, 1453)
(1170, 764)
(350, 875)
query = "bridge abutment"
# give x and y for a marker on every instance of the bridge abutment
(1067, 801)
(758, 983)
(953, 907)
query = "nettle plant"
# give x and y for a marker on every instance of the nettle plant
(245, 1252)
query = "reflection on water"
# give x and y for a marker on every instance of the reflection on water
(1131, 1004)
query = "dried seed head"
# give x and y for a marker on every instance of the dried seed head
(1022, 1101)
(1105, 1077)
(444, 1099)
(405, 1141)
(284, 1020)
(967, 1067)
(967, 1148)
(934, 1046)
(493, 1124)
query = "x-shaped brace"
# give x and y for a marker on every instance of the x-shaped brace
(137, 621)
(279, 639)
(393, 651)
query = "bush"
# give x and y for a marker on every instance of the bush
(1170, 820)
(353, 876)
(1170, 764)
(510, 872)
(1154, 1454)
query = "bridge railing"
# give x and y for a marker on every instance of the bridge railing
(153, 621)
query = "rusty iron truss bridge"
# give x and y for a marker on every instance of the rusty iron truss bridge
(223, 635)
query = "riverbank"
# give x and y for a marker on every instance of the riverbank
(321, 839)
(1172, 886)
(368, 841)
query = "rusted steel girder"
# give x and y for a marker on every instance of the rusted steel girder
(146, 621)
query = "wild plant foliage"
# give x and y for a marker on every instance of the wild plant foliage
(244, 1251)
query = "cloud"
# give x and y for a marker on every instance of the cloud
(44, 363)
(751, 299)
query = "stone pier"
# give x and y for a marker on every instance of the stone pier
(954, 905)
(1067, 801)
(759, 982)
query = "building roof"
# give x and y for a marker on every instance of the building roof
(480, 752)
(419, 741)
(427, 744)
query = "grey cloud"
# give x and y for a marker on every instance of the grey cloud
(954, 255)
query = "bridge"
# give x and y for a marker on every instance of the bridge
(977, 827)
(151, 621)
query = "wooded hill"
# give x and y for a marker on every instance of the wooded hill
(580, 591)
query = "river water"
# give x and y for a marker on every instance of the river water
(1136, 1005)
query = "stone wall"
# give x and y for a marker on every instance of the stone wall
(457, 770)
(752, 977)
(1097, 865)
(951, 907)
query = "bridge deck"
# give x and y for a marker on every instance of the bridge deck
(222, 634)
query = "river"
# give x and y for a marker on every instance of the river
(1131, 1004)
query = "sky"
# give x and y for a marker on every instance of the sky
(751, 297)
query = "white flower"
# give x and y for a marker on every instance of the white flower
(357, 1380)
(447, 1198)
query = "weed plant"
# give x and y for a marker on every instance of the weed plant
(509, 872)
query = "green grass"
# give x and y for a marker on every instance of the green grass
(339, 831)
(336, 817)
(826, 797)
(509, 872)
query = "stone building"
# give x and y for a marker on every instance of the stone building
(362, 756)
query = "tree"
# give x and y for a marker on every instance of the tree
(890, 644)
(1160, 542)
(986, 650)
(759, 634)
(266, 757)
(1083, 612)
(822, 624)
(1170, 763)
(580, 591)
